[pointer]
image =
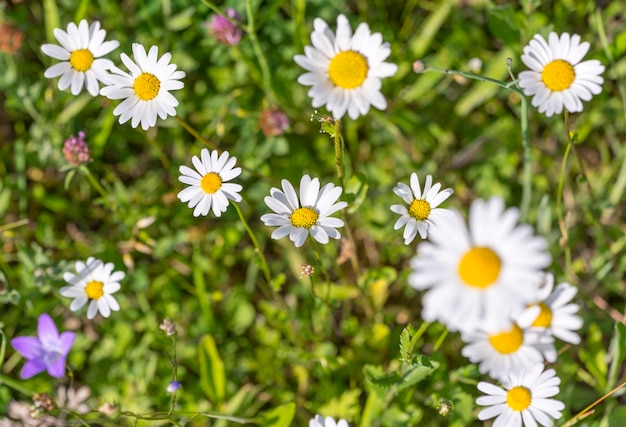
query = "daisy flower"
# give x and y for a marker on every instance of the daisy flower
(482, 275)
(81, 50)
(146, 90)
(422, 211)
(508, 350)
(320, 421)
(524, 400)
(345, 69)
(207, 184)
(308, 215)
(551, 312)
(94, 281)
(557, 78)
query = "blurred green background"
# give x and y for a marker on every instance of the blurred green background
(288, 346)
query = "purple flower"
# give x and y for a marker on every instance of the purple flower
(173, 386)
(224, 29)
(76, 150)
(47, 352)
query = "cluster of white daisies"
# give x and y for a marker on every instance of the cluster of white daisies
(485, 279)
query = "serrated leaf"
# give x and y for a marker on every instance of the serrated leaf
(212, 375)
(280, 416)
(405, 341)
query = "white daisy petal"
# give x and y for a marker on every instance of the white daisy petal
(306, 214)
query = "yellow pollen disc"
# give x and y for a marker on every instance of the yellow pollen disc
(210, 183)
(81, 59)
(94, 289)
(304, 217)
(419, 209)
(519, 398)
(507, 342)
(479, 267)
(348, 69)
(146, 86)
(544, 320)
(558, 75)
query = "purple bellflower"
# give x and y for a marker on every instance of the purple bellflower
(47, 352)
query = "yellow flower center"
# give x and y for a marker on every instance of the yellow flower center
(94, 289)
(479, 267)
(304, 217)
(81, 59)
(544, 319)
(519, 398)
(558, 75)
(210, 183)
(348, 69)
(507, 342)
(146, 86)
(419, 209)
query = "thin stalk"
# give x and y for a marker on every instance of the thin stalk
(16, 385)
(257, 247)
(527, 177)
(318, 258)
(13, 225)
(585, 412)
(174, 363)
(258, 52)
(339, 152)
(559, 210)
(195, 134)
(99, 188)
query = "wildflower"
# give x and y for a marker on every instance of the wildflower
(47, 351)
(306, 270)
(345, 69)
(310, 214)
(43, 401)
(107, 408)
(10, 38)
(146, 90)
(168, 326)
(208, 187)
(94, 281)
(557, 78)
(173, 386)
(320, 421)
(422, 211)
(524, 399)
(499, 352)
(273, 122)
(73, 398)
(224, 29)
(551, 312)
(75, 150)
(487, 272)
(81, 50)
(30, 416)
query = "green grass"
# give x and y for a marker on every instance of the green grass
(246, 347)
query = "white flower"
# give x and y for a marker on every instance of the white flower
(479, 276)
(422, 211)
(208, 187)
(146, 90)
(551, 312)
(345, 69)
(557, 78)
(81, 50)
(94, 281)
(320, 421)
(500, 352)
(308, 215)
(525, 399)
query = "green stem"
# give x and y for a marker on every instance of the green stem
(14, 224)
(265, 69)
(319, 259)
(15, 385)
(339, 152)
(257, 247)
(99, 188)
(512, 86)
(414, 339)
(174, 363)
(195, 134)
(585, 412)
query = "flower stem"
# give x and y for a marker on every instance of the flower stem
(195, 134)
(585, 412)
(15, 385)
(257, 248)
(319, 259)
(339, 151)
(14, 224)
(527, 177)
(99, 188)
(265, 69)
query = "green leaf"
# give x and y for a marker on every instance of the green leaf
(181, 20)
(356, 191)
(280, 416)
(405, 341)
(617, 353)
(212, 375)
(593, 357)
